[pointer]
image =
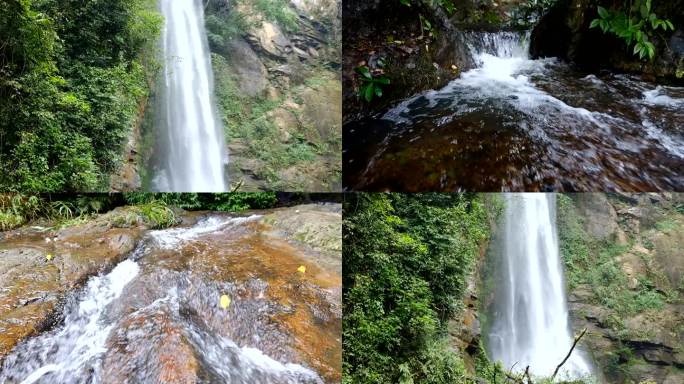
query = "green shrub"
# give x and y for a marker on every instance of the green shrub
(278, 11)
(635, 23)
(407, 258)
(229, 202)
(156, 214)
(73, 74)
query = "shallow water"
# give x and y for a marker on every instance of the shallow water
(518, 124)
(156, 316)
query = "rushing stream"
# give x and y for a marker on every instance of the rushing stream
(156, 316)
(529, 312)
(192, 153)
(518, 124)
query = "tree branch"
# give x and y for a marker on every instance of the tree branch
(577, 339)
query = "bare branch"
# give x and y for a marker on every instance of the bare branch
(527, 373)
(577, 339)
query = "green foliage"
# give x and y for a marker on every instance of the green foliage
(635, 26)
(71, 78)
(229, 202)
(679, 208)
(667, 225)
(156, 214)
(17, 209)
(239, 201)
(371, 85)
(278, 11)
(407, 258)
(153, 208)
(573, 245)
(224, 26)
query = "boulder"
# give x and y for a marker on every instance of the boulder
(669, 254)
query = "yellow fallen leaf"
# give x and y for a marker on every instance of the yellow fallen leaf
(302, 269)
(48, 257)
(225, 301)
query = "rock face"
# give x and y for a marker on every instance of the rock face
(269, 38)
(564, 32)
(276, 67)
(251, 73)
(32, 288)
(128, 177)
(642, 345)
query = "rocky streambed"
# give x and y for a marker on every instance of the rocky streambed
(219, 298)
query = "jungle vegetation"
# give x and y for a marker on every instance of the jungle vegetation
(17, 209)
(406, 261)
(73, 75)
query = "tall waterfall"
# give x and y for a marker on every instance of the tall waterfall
(530, 317)
(192, 151)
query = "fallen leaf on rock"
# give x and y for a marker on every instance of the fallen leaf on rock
(225, 301)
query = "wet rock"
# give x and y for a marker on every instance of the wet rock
(164, 356)
(166, 324)
(318, 226)
(32, 288)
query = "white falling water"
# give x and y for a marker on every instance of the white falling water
(194, 153)
(530, 325)
(66, 352)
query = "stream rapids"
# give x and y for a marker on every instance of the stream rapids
(156, 316)
(513, 124)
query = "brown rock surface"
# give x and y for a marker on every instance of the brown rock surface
(32, 288)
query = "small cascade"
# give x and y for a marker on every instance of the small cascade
(530, 325)
(192, 152)
(65, 354)
(499, 44)
(527, 124)
(155, 317)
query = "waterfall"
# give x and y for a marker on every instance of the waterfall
(192, 148)
(530, 325)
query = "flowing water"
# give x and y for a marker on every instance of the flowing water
(191, 150)
(156, 316)
(529, 313)
(516, 124)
